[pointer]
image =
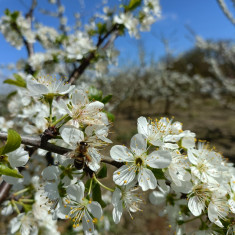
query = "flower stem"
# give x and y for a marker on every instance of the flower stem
(89, 191)
(110, 189)
(59, 120)
(21, 191)
(15, 206)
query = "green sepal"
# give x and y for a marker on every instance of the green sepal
(5, 170)
(158, 173)
(13, 142)
(19, 81)
(96, 194)
(103, 172)
(87, 185)
(106, 99)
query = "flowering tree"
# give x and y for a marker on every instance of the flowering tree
(56, 164)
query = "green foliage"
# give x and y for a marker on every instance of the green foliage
(133, 4)
(103, 172)
(158, 173)
(13, 142)
(106, 99)
(96, 194)
(5, 170)
(19, 81)
(95, 94)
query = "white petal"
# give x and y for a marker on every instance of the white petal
(117, 212)
(87, 223)
(138, 144)
(51, 173)
(71, 135)
(18, 158)
(76, 191)
(157, 198)
(159, 159)
(95, 209)
(124, 175)
(147, 179)
(116, 197)
(79, 97)
(121, 154)
(188, 142)
(191, 156)
(94, 107)
(36, 89)
(142, 126)
(195, 206)
(231, 203)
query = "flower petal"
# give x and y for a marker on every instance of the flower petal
(159, 159)
(195, 206)
(138, 144)
(95, 209)
(147, 179)
(18, 158)
(121, 154)
(124, 175)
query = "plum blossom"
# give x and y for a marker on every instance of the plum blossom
(126, 197)
(81, 209)
(137, 163)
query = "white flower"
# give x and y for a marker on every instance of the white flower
(178, 168)
(81, 209)
(47, 86)
(82, 111)
(206, 164)
(160, 133)
(218, 209)
(199, 195)
(18, 158)
(125, 197)
(74, 137)
(159, 197)
(5, 125)
(25, 223)
(137, 163)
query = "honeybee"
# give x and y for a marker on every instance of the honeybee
(81, 155)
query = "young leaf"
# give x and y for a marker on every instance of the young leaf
(4, 170)
(132, 5)
(158, 173)
(18, 82)
(106, 99)
(13, 142)
(96, 195)
(103, 172)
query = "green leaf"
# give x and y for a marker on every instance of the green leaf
(11, 94)
(95, 94)
(101, 28)
(110, 116)
(132, 5)
(106, 99)
(18, 82)
(87, 185)
(103, 172)
(13, 142)
(7, 12)
(158, 173)
(96, 194)
(4, 170)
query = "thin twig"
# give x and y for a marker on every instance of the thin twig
(37, 142)
(77, 72)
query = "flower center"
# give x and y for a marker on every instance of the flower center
(138, 161)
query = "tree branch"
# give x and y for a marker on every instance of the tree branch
(37, 142)
(77, 72)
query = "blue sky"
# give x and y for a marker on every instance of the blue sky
(203, 16)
